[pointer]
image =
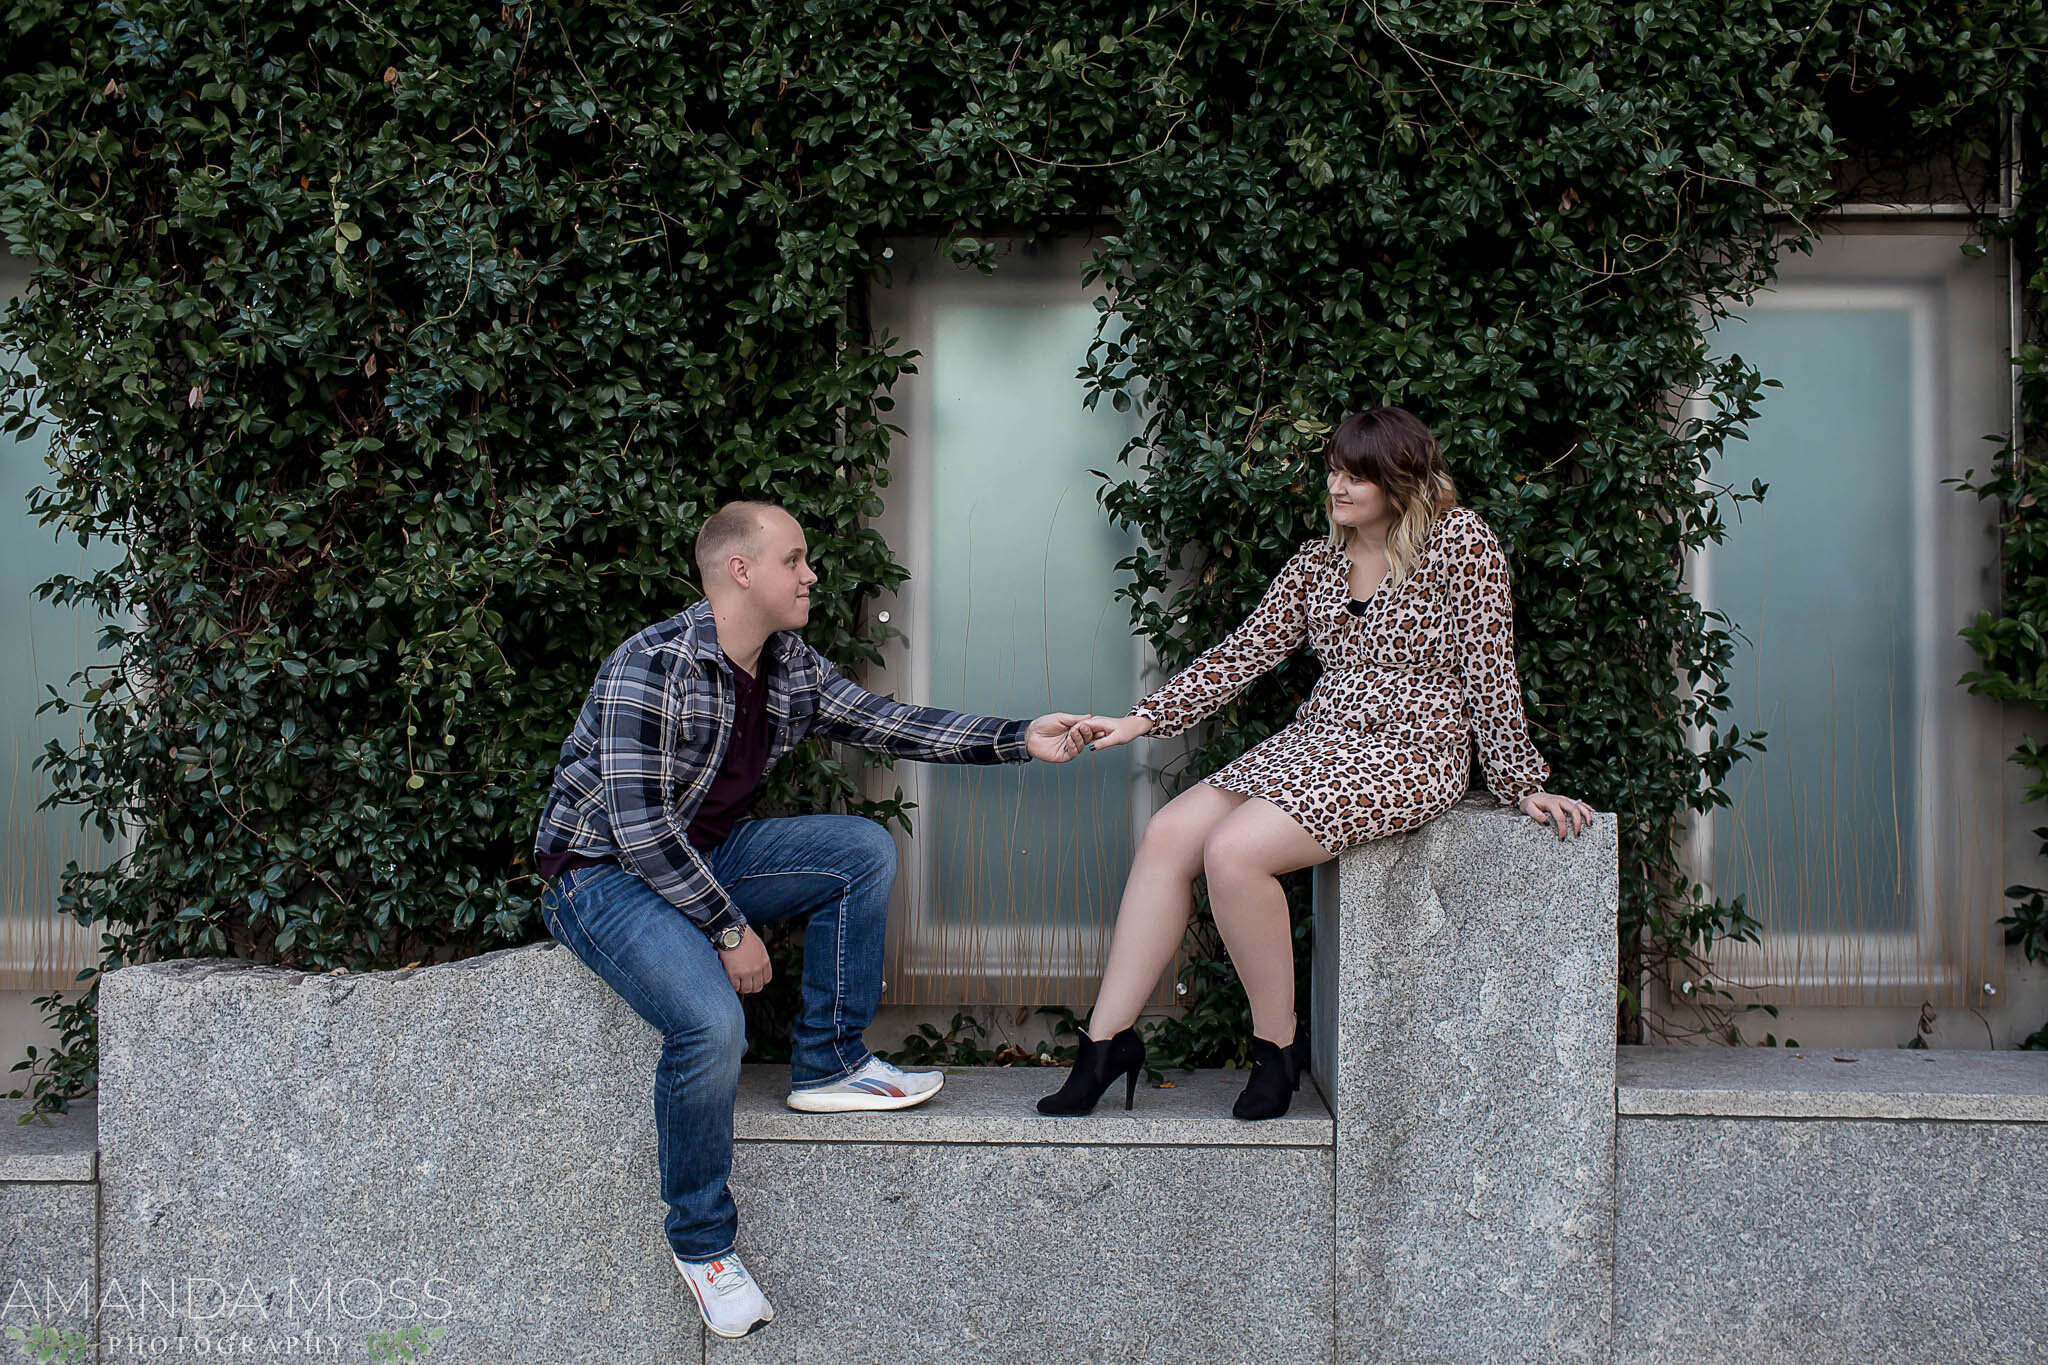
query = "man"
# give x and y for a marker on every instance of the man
(655, 880)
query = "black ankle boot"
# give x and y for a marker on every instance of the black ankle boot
(1096, 1067)
(1276, 1075)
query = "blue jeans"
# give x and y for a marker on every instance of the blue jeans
(835, 869)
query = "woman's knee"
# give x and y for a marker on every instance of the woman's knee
(1234, 851)
(1177, 834)
(1225, 857)
(1258, 842)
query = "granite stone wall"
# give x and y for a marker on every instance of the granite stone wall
(1172, 1233)
(464, 1152)
(1831, 1207)
(464, 1155)
(459, 1161)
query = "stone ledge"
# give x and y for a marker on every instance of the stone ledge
(1019, 1253)
(482, 1132)
(1773, 1241)
(340, 983)
(1832, 1083)
(994, 1106)
(58, 1147)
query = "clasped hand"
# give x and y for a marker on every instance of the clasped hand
(1059, 736)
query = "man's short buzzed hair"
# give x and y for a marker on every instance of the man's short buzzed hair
(731, 530)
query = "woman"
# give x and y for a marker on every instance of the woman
(1406, 604)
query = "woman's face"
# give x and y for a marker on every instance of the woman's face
(1357, 502)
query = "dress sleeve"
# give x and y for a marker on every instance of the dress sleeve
(1483, 620)
(1274, 630)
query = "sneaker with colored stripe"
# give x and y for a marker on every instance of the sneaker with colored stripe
(731, 1302)
(877, 1085)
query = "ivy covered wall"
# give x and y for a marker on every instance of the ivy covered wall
(403, 347)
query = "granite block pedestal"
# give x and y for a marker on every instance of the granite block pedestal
(1464, 1032)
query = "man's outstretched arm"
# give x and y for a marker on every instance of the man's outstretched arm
(850, 714)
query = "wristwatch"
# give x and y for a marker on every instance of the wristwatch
(728, 939)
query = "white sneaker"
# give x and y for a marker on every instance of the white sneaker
(731, 1302)
(877, 1085)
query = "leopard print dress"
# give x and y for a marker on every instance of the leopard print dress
(1384, 741)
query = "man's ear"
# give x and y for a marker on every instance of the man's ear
(739, 571)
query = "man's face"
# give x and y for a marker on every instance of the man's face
(779, 577)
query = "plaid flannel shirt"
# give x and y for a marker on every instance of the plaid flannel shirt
(655, 728)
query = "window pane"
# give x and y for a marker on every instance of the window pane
(1820, 580)
(43, 646)
(1022, 617)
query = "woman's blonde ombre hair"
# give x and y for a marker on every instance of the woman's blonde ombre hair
(1391, 447)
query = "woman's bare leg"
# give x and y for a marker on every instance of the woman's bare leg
(1244, 856)
(1158, 897)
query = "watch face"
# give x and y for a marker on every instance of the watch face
(730, 938)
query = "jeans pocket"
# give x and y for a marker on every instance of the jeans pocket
(559, 901)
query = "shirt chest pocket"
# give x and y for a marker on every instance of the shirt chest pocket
(699, 710)
(789, 721)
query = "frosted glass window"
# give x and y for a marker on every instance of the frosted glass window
(1010, 883)
(41, 646)
(1868, 840)
(1022, 617)
(1819, 579)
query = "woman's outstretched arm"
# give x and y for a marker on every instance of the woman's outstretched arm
(1274, 630)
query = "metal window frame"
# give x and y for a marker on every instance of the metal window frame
(925, 949)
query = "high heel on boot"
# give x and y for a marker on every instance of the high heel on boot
(1276, 1075)
(1096, 1067)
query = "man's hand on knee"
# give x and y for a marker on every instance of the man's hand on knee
(747, 966)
